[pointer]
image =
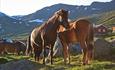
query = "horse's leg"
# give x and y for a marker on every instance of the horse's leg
(44, 54)
(52, 53)
(34, 51)
(65, 51)
(90, 51)
(37, 51)
(68, 53)
(35, 55)
(84, 51)
(18, 51)
(90, 43)
(23, 52)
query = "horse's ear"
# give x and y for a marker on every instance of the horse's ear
(61, 9)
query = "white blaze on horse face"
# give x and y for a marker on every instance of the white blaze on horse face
(60, 19)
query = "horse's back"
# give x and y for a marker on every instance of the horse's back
(78, 29)
(10, 48)
(82, 24)
(7, 47)
(20, 46)
(2, 48)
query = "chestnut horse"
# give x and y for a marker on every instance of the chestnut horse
(45, 35)
(16, 47)
(21, 46)
(6, 47)
(80, 31)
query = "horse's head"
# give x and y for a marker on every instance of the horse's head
(63, 17)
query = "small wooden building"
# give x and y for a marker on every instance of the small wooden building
(101, 30)
(113, 29)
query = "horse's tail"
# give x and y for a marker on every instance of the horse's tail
(29, 47)
(90, 41)
(90, 38)
(91, 34)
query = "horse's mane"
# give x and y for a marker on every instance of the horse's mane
(43, 25)
(50, 20)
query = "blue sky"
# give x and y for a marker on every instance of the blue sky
(24, 7)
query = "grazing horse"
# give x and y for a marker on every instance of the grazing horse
(80, 31)
(45, 35)
(15, 47)
(21, 47)
(6, 47)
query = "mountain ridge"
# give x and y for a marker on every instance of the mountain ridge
(97, 13)
(75, 11)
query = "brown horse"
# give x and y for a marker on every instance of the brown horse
(80, 31)
(16, 47)
(45, 35)
(6, 47)
(20, 46)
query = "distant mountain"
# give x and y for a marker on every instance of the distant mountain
(97, 12)
(11, 26)
(2, 14)
(18, 17)
(75, 11)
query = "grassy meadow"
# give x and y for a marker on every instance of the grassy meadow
(75, 64)
(59, 64)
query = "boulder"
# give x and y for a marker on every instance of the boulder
(113, 43)
(58, 49)
(19, 65)
(102, 48)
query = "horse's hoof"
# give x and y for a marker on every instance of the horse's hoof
(69, 63)
(65, 63)
(51, 63)
(44, 63)
(47, 61)
(84, 64)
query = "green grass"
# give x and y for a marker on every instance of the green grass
(109, 38)
(59, 64)
(11, 57)
(22, 36)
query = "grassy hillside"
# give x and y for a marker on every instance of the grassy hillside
(22, 36)
(107, 18)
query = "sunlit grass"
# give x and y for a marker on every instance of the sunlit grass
(110, 38)
(11, 57)
(59, 63)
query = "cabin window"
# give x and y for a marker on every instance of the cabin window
(99, 30)
(103, 30)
